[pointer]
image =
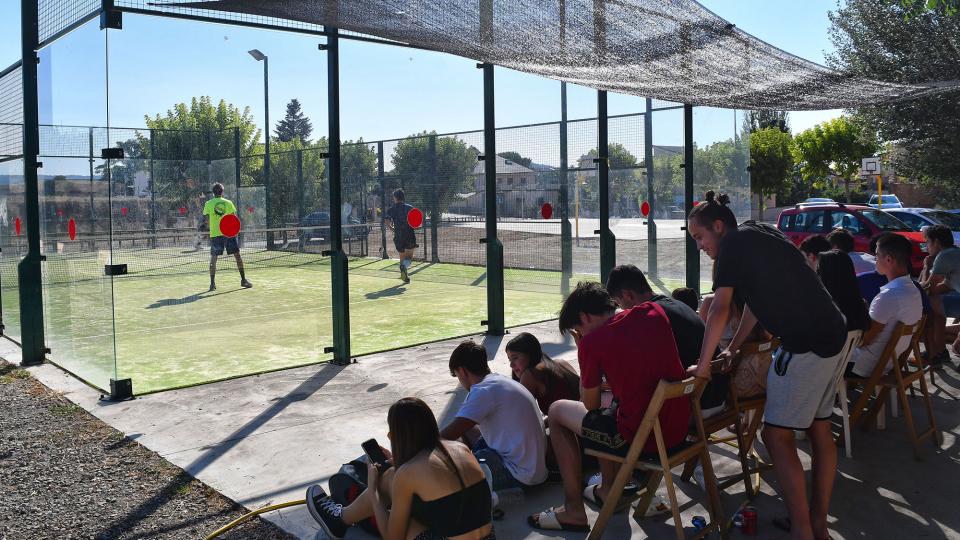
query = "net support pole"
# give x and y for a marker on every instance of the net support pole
(566, 232)
(692, 254)
(266, 155)
(495, 319)
(608, 243)
(383, 201)
(651, 196)
(29, 268)
(338, 259)
(236, 173)
(434, 199)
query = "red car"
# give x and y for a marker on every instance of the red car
(862, 221)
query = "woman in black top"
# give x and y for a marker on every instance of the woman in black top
(434, 490)
(837, 274)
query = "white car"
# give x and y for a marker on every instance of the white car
(918, 218)
(889, 202)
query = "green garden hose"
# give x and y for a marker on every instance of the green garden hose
(245, 517)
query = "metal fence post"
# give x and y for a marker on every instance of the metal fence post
(153, 194)
(383, 202)
(692, 254)
(651, 196)
(608, 243)
(566, 232)
(301, 195)
(236, 174)
(29, 268)
(495, 317)
(434, 198)
(338, 262)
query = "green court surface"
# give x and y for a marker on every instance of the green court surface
(160, 327)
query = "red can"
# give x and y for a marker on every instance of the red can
(749, 521)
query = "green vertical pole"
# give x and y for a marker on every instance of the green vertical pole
(434, 198)
(29, 269)
(93, 211)
(566, 229)
(651, 199)
(301, 195)
(383, 202)
(338, 259)
(236, 174)
(692, 254)
(495, 319)
(608, 243)
(153, 195)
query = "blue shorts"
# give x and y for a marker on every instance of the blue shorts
(219, 243)
(951, 304)
(502, 479)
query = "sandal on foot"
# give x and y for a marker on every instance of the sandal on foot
(547, 521)
(591, 496)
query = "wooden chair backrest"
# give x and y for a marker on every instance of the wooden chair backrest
(889, 355)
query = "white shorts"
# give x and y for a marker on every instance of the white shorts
(800, 389)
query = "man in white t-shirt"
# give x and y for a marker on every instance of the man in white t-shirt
(899, 301)
(511, 436)
(842, 239)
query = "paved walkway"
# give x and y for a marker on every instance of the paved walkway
(262, 440)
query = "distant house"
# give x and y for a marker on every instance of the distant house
(521, 191)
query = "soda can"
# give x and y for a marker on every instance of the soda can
(749, 526)
(699, 523)
(738, 520)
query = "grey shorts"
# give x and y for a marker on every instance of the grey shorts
(800, 389)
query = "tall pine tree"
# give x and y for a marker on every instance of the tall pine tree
(295, 124)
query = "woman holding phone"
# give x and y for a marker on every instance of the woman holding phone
(435, 489)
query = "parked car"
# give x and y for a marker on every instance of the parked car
(863, 222)
(889, 202)
(814, 201)
(918, 218)
(315, 227)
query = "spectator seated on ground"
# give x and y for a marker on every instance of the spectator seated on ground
(940, 279)
(547, 379)
(812, 247)
(898, 301)
(608, 343)
(842, 239)
(433, 488)
(836, 273)
(688, 296)
(499, 420)
(629, 288)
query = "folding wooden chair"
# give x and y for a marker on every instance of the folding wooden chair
(853, 341)
(691, 389)
(903, 374)
(745, 414)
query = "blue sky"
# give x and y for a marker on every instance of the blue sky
(386, 92)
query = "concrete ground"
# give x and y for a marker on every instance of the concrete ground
(263, 440)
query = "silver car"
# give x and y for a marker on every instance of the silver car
(918, 218)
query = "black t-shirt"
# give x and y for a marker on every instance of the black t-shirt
(688, 329)
(772, 277)
(401, 227)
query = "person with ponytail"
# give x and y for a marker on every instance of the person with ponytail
(759, 265)
(548, 380)
(435, 489)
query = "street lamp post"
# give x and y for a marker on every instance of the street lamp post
(259, 56)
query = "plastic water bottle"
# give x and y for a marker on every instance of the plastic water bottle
(488, 476)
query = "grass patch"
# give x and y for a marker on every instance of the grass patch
(65, 409)
(9, 374)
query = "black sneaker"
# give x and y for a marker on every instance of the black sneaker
(212, 288)
(326, 512)
(403, 274)
(245, 284)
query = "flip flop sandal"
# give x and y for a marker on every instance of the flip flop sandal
(547, 521)
(590, 495)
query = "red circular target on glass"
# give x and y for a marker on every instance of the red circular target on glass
(645, 209)
(230, 225)
(249, 209)
(183, 210)
(696, 203)
(415, 218)
(123, 211)
(546, 210)
(16, 224)
(72, 229)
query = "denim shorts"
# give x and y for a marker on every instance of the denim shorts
(502, 479)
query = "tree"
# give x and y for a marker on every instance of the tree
(770, 161)
(358, 170)
(835, 148)
(627, 186)
(434, 183)
(757, 120)
(294, 125)
(915, 7)
(886, 41)
(517, 158)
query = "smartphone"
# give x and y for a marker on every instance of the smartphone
(375, 453)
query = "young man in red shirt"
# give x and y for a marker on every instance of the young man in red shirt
(608, 347)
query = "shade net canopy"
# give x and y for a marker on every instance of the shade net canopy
(675, 50)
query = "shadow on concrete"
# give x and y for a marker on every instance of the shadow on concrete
(166, 302)
(213, 452)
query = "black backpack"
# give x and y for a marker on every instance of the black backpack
(347, 484)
